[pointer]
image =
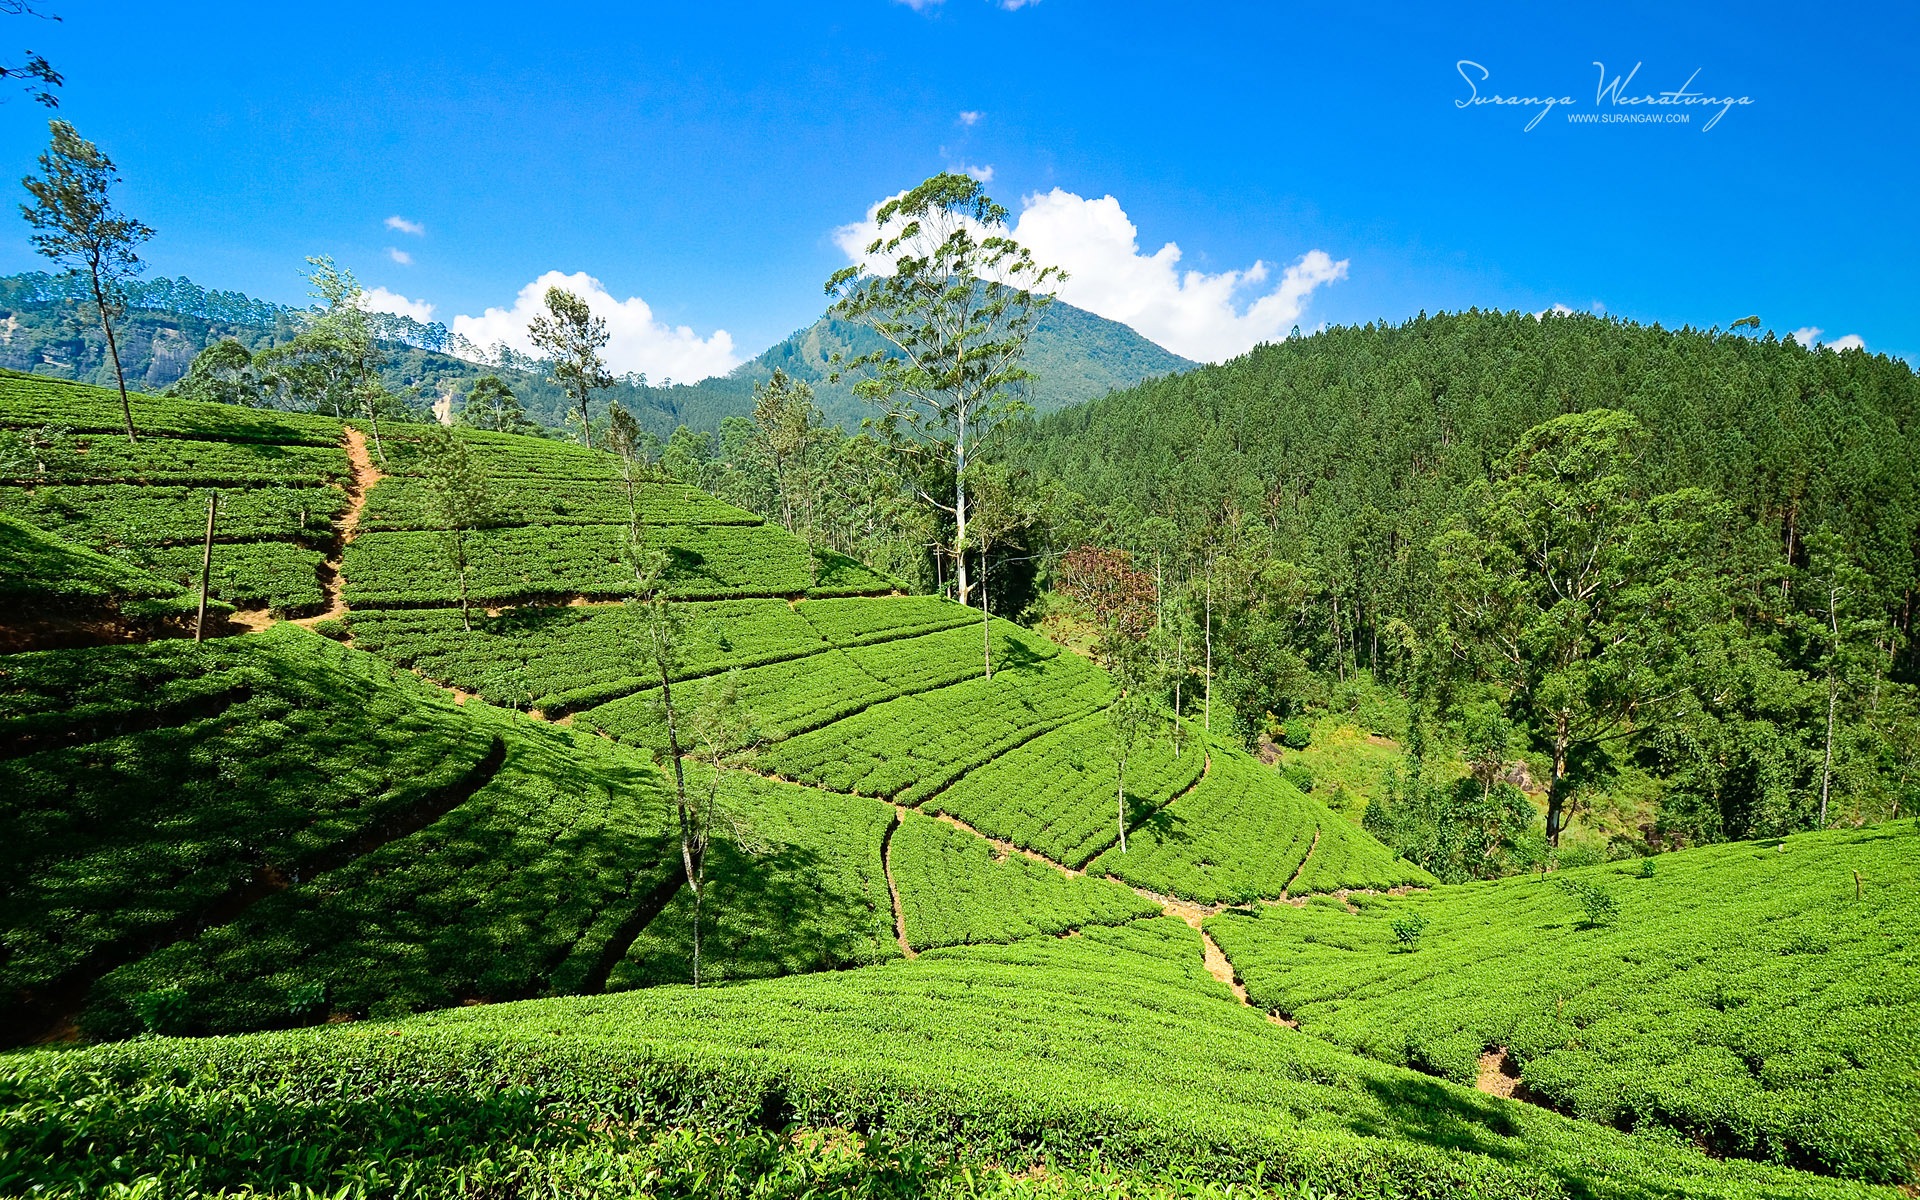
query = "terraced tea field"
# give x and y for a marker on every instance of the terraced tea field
(918, 922)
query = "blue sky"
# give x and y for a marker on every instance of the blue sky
(702, 158)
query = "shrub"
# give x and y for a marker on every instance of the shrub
(1298, 776)
(307, 999)
(1296, 734)
(1406, 930)
(162, 1010)
(1595, 902)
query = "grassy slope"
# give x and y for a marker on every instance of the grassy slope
(1743, 995)
(1114, 1044)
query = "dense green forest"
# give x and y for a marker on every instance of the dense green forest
(1319, 490)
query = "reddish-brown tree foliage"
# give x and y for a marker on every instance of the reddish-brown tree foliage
(1118, 594)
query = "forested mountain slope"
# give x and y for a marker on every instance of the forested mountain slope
(45, 330)
(1321, 478)
(1074, 356)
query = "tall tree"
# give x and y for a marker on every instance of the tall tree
(626, 440)
(459, 500)
(956, 301)
(720, 730)
(491, 404)
(788, 428)
(224, 373)
(333, 363)
(76, 225)
(573, 338)
(1576, 594)
(1000, 512)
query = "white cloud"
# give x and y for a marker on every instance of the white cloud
(381, 300)
(1203, 316)
(971, 117)
(983, 173)
(1558, 310)
(400, 224)
(636, 342)
(400, 256)
(921, 5)
(1809, 336)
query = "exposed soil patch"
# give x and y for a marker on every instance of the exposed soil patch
(893, 889)
(1500, 1075)
(365, 476)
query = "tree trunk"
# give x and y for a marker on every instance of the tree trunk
(1179, 676)
(1826, 768)
(1833, 698)
(986, 620)
(465, 622)
(373, 419)
(691, 870)
(1120, 790)
(699, 896)
(1206, 721)
(113, 351)
(960, 503)
(206, 567)
(586, 430)
(1556, 787)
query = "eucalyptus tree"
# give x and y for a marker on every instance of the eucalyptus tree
(459, 501)
(955, 299)
(788, 429)
(625, 438)
(1577, 595)
(224, 373)
(334, 361)
(721, 731)
(573, 339)
(491, 404)
(76, 225)
(1000, 512)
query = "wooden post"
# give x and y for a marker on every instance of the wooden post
(206, 568)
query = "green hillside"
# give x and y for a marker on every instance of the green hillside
(1721, 993)
(1338, 493)
(1075, 354)
(416, 893)
(1110, 1056)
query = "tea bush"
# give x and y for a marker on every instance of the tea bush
(1741, 997)
(955, 890)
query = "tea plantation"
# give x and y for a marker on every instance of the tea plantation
(400, 910)
(1112, 1054)
(1760, 999)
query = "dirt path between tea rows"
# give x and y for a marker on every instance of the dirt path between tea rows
(365, 476)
